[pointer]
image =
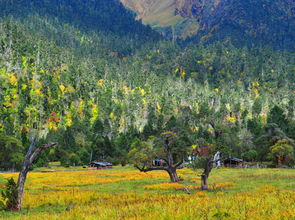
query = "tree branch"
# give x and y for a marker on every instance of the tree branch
(150, 169)
(32, 145)
(178, 164)
(36, 152)
(209, 167)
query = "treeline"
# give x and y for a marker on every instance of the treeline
(68, 85)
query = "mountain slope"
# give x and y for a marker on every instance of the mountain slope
(156, 13)
(243, 22)
(248, 21)
(86, 16)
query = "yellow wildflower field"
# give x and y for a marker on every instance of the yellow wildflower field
(125, 193)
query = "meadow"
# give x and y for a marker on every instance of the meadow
(125, 193)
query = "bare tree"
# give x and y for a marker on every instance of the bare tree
(29, 159)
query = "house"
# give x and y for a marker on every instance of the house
(159, 162)
(233, 162)
(101, 165)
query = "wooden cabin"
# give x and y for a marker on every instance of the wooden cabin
(101, 165)
(233, 162)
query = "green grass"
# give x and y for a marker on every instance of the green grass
(245, 180)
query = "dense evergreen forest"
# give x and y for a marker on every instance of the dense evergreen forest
(89, 76)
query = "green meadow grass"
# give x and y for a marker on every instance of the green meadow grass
(244, 180)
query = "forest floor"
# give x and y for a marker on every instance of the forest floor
(125, 193)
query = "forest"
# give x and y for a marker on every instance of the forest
(107, 88)
(84, 81)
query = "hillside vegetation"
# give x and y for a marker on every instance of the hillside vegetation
(96, 94)
(90, 79)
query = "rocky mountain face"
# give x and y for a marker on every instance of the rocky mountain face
(158, 13)
(239, 21)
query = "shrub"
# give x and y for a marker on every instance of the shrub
(9, 196)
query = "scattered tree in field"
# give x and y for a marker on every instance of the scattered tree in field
(143, 153)
(207, 162)
(29, 159)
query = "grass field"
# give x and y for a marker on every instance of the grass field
(125, 193)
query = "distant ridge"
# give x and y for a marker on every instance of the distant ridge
(242, 22)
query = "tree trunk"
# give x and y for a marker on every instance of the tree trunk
(173, 175)
(205, 175)
(204, 184)
(29, 159)
(20, 187)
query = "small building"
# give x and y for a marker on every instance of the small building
(233, 162)
(101, 165)
(159, 162)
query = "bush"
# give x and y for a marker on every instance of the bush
(9, 196)
(251, 155)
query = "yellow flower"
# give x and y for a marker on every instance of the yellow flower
(125, 90)
(100, 82)
(24, 86)
(255, 93)
(142, 92)
(27, 112)
(94, 113)
(158, 107)
(122, 122)
(165, 186)
(255, 84)
(197, 108)
(112, 115)
(38, 92)
(144, 102)
(183, 74)
(70, 89)
(69, 122)
(216, 90)
(12, 79)
(62, 88)
(201, 194)
(230, 119)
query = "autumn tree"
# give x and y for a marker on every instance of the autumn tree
(282, 152)
(165, 148)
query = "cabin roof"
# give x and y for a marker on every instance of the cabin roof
(102, 163)
(234, 159)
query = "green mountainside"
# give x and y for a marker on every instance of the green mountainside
(52, 18)
(88, 75)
